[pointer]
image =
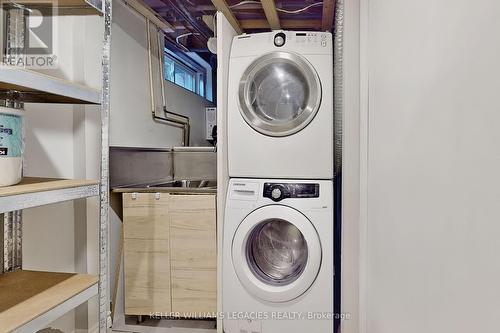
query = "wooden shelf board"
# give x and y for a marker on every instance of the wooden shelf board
(26, 295)
(36, 87)
(34, 185)
(34, 192)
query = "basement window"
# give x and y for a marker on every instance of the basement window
(189, 71)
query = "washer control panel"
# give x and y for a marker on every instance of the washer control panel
(280, 191)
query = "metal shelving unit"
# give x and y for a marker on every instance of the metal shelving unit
(34, 192)
(75, 6)
(30, 300)
(34, 87)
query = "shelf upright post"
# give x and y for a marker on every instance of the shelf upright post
(104, 297)
(16, 30)
(12, 221)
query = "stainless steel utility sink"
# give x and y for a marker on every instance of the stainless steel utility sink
(184, 183)
(187, 184)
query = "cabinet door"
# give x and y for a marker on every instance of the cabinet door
(193, 246)
(145, 216)
(146, 253)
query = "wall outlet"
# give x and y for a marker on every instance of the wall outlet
(210, 121)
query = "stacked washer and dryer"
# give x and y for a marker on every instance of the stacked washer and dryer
(278, 271)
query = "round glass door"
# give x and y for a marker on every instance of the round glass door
(276, 253)
(279, 94)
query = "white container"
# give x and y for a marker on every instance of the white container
(11, 146)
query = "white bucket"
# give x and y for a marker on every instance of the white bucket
(11, 146)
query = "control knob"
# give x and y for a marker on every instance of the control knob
(276, 193)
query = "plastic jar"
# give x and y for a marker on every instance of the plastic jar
(11, 146)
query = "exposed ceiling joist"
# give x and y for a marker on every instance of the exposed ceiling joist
(285, 24)
(222, 6)
(209, 21)
(328, 14)
(271, 14)
(179, 26)
(199, 30)
(142, 8)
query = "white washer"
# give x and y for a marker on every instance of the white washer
(280, 105)
(277, 271)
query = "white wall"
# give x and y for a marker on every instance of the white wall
(429, 166)
(351, 295)
(225, 34)
(183, 101)
(64, 141)
(131, 120)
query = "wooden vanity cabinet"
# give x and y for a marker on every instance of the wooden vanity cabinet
(146, 248)
(193, 245)
(170, 250)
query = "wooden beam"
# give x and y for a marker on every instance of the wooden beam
(328, 14)
(209, 21)
(285, 24)
(200, 29)
(142, 8)
(222, 6)
(271, 14)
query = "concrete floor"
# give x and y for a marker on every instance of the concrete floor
(129, 324)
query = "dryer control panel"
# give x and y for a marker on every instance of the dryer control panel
(280, 191)
(301, 42)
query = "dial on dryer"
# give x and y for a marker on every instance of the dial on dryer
(280, 191)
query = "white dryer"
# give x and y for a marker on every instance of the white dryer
(277, 271)
(280, 105)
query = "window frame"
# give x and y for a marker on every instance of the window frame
(199, 72)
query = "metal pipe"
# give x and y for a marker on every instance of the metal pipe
(179, 7)
(172, 117)
(167, 117)
(186, 128)
(168, 38)
(194, 30)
